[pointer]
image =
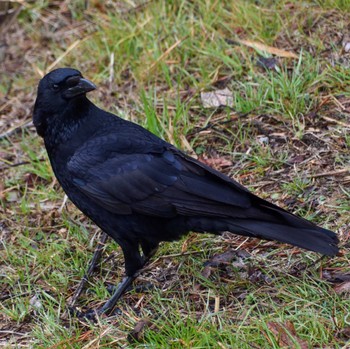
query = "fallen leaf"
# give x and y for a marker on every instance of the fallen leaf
(263, 140)
(335, 277)
(222, 258)
(346, 47)
(269, 49)
(345, 333)
(216, 261)
(344, 287)
(255, 275)
(217, 163)
(136, 334)
(13, 196)
(297, 159)
(286, 335)
(346, 44)
(217, 98)
(35, 302)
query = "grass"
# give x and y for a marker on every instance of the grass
(286, 138)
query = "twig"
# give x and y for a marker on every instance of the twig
(327, 118)
(65, 198)
(65, 53)
(166, 53)
(139, 7)
(337, 102)
(4, 333)
(16, 129)
(330, 173)
(220, 123)
(111, 70)
(11, 296)
(15, 165)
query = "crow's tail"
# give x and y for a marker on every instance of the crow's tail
(270, 222)
(311, 238)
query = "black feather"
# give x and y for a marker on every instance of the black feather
(141, 190)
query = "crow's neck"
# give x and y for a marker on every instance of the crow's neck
(64, 126)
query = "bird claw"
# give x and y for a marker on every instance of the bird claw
(89, 315)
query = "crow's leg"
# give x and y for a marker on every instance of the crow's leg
(133, 264)
(121, 289)
(92, 266)
(133, 267)
(148, 248)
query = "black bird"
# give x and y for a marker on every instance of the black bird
(141, 190)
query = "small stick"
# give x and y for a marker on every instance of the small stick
(327, 118)
(167, 52)
(330, 173)
(16, 129)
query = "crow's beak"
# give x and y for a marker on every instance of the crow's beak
(79, 86)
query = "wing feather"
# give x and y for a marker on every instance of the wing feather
(162, 182)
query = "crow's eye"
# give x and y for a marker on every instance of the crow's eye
(55, 87)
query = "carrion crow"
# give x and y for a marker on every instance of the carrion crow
(141, 190)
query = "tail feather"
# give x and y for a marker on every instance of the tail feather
(267, 221)
(304, 234)
(311, 238)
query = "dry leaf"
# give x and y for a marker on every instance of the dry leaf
(136, 334)
(222, 258)
(283, 334)
(13, 196)
(269, 49)
(217, 163)
(344, 287)
(345, 333)
(217, 260)
(255, 275)
(346, 44)
(336, 277)
(217, 98)
(206, 272)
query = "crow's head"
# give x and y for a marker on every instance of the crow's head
(57, 91)
(64, 83)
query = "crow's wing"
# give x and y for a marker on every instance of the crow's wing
(128, 175)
